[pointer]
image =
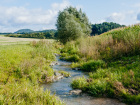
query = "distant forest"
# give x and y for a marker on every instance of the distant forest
(97, 29)
(40, 35)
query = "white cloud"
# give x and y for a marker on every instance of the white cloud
(136, 5)
(61, 6)
(16, 17)
(122, 17)
(116, 17)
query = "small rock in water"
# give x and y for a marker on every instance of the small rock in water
(52, 64)
(56, 54)
(49, 79)
(76, 68)
(56, 78)
(75, 92)
(56, 63)
(57, 74)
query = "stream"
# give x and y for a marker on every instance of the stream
(62, 87)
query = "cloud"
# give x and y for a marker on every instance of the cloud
(136, 5)
(121, 17)
(60, 6)
(21, 17)
(115, 17)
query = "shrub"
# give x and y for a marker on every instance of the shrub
(92, 65)
(73, 58)
(97, 87)
(79, 83)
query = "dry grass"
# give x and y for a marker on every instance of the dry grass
(114, 44)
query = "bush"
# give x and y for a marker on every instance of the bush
(97, 87)
(73, 58)
(92, 65)
(79, 83)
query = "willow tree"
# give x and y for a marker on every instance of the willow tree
(72, 24)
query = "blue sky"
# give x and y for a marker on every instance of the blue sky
(42, 14)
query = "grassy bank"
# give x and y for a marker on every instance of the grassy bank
(22, 68)
(113, 60)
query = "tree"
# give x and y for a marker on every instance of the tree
(98, 29)
(72, 24)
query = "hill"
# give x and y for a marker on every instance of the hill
(24, 31)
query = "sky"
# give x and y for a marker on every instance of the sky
(42, 14)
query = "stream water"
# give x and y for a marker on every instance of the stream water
(62, 87)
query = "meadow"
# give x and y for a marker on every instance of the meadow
(113, 62)
(23, 67)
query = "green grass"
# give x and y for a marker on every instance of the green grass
(2, 40)
(113, 60)
(121, 79)
(9, 43)
(22, 68)
(25, 93)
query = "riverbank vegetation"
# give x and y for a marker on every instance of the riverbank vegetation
(22, 68)
(113, 60)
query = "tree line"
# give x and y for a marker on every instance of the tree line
(39, 35)
(98, 29)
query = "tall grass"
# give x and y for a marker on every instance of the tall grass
(115, 59)
(110, 45)
(25, 93)
(22, 68)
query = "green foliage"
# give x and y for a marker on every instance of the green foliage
(97, 88)
(98, 29)
(79, 83)
(92, 65)
(72, 24)
(72, 58)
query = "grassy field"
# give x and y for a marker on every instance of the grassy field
(22, 67)
(113, 60)
(10, 40)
